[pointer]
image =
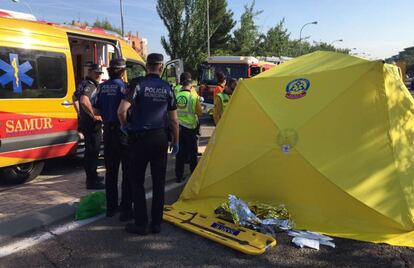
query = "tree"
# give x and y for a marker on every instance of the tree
(275, 42)
(297, 48)
(175, 15)
(304, 47)
(247, 36)
(186, 23)
(183, 21)
(105, 24)
(221, 25)
(323, 46)
(406, 56)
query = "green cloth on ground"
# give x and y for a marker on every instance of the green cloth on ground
(91, 205)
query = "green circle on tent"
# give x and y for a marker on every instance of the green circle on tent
(287, 136)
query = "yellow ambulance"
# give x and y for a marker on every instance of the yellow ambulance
(40, 65)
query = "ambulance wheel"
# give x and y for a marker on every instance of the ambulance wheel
(21, 173)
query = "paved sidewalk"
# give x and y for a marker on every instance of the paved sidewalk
(48, 191)
(62, 182)
(40, 194)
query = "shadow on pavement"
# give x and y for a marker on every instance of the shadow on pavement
(106, 244)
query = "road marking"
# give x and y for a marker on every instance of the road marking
(61, 229)
(39, 238)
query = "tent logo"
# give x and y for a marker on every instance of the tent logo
(297, 88)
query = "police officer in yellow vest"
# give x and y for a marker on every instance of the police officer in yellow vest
(179, 87)
(222, 99)
(188, 110)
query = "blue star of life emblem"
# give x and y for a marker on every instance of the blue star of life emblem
(15, 73)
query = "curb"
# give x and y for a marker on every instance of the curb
(46, 217)
(30, 222)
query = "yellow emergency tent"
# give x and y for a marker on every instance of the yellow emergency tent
(327, 134)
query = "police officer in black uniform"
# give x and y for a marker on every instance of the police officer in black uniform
(108, 98)
(153, 110)
(90, 125)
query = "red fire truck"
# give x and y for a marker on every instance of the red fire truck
(233, 67)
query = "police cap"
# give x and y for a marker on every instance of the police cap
(155, 58)
(117, 64)
(95, 68)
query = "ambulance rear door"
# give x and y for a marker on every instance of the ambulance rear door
(172, 71)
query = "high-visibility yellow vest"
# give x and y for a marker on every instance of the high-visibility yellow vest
(186, 109)
(225, 98)
(177, 89)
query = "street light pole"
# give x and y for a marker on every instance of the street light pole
(300, 34)
(208, 29)
(26, 4)
(122, 18)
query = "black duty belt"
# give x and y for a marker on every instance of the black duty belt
(112, 126)
(146, 133)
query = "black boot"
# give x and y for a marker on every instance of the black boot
(126, 215)
(136, 229)
(110, 213)
(155, 228)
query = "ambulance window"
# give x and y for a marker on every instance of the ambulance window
(254, 71)
(134, 69)
(26, 73)
(170, 74)
(50, 71)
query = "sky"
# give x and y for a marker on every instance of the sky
(376, 28)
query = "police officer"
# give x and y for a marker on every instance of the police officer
(188, 110)
(108, 98)
(91, 126)
(179, 87)
(153, 109)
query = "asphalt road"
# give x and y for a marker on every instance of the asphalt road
(104, 243)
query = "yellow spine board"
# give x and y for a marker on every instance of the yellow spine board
(223, 232)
